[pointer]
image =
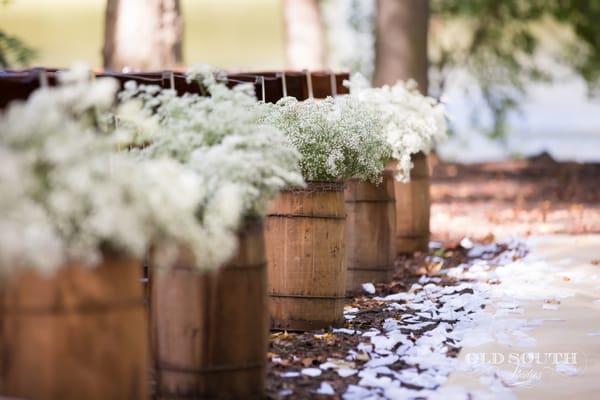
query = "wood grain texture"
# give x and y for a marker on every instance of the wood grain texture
(210, 330)
(305, 240)
(77, 334)
(370, 231)
(413, 204)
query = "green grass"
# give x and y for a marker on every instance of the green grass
(226, 33)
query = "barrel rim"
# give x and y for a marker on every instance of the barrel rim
(318, 186)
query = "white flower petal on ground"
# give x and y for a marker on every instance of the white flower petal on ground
(326, 389)
(346, 331)
(396, 297)
(355, 392)
(346, 372)
(312, 372)
(466, 243)
(289, 374)
(461, 307)
(372, 332)
(369, 288)
(548, 306)
(378, 362)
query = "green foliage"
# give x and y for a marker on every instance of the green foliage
(13, 51)
(502, 46)
(584, 18)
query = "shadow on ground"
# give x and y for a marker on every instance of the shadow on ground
(514, 198)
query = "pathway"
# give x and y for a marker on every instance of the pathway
(552, 298)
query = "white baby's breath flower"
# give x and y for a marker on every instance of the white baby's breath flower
(338, 138)
(67, 195)
(413, 122)
(218, 137)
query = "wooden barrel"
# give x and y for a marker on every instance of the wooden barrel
(305, 234)
(370, 227)
(77, 334)
(413, 205)
(210, 330)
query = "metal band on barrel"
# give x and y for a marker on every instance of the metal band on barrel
(307, 216)
(303, 296)
(80, 309)
(207, 370)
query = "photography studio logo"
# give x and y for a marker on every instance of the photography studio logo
(522, 369)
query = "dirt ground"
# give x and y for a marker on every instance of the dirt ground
(515, 198)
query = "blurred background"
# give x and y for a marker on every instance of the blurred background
(518, 77)
(520, 80)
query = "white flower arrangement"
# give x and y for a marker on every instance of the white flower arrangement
(27, 236)
(413, 122)
(67, 195)
(338, 137)
(218, 137)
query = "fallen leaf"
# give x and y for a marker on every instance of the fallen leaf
(439, 253)
(329, 337)
(433, 268)
(489, 238)
(281, 336)
(552, 301)
(307, 362)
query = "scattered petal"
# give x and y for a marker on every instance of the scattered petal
(547, 306)
(311, 372)
(326, 389)
(346, 372)
(289, 374)
(369, 288)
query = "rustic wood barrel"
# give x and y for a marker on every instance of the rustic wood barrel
(210, 330)
(370, 227)
(305, 234)
(80, 333)
(413, 204)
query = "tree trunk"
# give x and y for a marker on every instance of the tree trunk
(401, 49)
(304, 35)
(401, 53)
(142, 35)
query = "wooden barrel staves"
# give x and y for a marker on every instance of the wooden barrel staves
(413, 205)
(210, 330)
(305, 234)
(77, 334)
(370, 227)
